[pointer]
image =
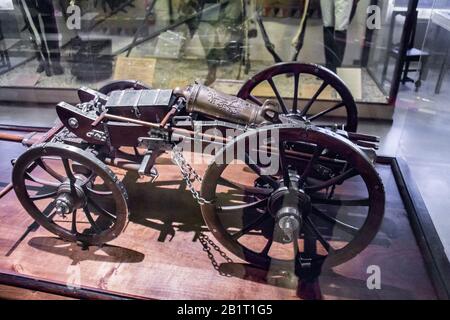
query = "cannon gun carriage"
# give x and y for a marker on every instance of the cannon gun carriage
(292, 204)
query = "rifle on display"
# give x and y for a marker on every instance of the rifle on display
(268, 44)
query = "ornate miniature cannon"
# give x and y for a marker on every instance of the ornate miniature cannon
(290, 210)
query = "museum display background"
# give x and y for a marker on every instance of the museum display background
(176, 50)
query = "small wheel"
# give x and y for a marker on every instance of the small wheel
(123, 85)
(285, 80)
(316, 200)
(71, 193)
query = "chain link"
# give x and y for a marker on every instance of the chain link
(208, 244)
(189, 175)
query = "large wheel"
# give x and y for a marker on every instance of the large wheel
(71, 193)
(322, 203)
(285, 80)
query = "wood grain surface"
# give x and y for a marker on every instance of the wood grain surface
(159, 255)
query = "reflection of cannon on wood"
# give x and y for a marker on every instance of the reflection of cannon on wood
(265, 214)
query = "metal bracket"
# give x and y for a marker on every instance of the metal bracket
(183, 121)
(147, 165)
(97, 135)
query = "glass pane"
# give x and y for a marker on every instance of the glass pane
(384, 53)
(53, 44)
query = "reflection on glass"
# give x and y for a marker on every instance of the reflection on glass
(67, 44)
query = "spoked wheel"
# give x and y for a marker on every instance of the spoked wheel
(319, 201)
(286, 80)
(71, 193)
(122, 85)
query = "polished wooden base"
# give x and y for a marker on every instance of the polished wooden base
(159, 255)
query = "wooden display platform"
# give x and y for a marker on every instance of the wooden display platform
(159, 255)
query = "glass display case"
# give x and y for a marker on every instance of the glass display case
(437, 35)
(68, 44)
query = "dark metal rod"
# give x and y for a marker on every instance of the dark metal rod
(60, 289)
(6, 190)
(174, 130)
(8, 127)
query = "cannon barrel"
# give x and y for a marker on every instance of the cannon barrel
(216, 104)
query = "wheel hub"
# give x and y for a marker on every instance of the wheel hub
(288, 207)
(70, 197)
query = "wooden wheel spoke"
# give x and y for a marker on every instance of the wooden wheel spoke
(49, 212)
(333, 181)
(310, 224)
(91, 219)
(278, 95)
(74, 222)
(295, 245)
(51, 215)
(266, 249)
(296, 84)
(259, 220)
(310, 166)
(313, 99)
(68, 170)
(246, 189)
(284, 166)
(335, 222)
(255, 168)
(325, 112)
(88, 179)
(42, 182)
(49, 170)
(243, 207)
(254, 99)
(267, 179)
(101, 210)
(43, 196)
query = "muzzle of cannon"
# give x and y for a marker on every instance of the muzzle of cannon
(216, 104)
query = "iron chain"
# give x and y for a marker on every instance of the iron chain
(207, 244)
(189, 175)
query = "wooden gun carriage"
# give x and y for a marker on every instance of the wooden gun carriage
(294, 215)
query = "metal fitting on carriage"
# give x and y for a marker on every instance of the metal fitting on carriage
(289, 221)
